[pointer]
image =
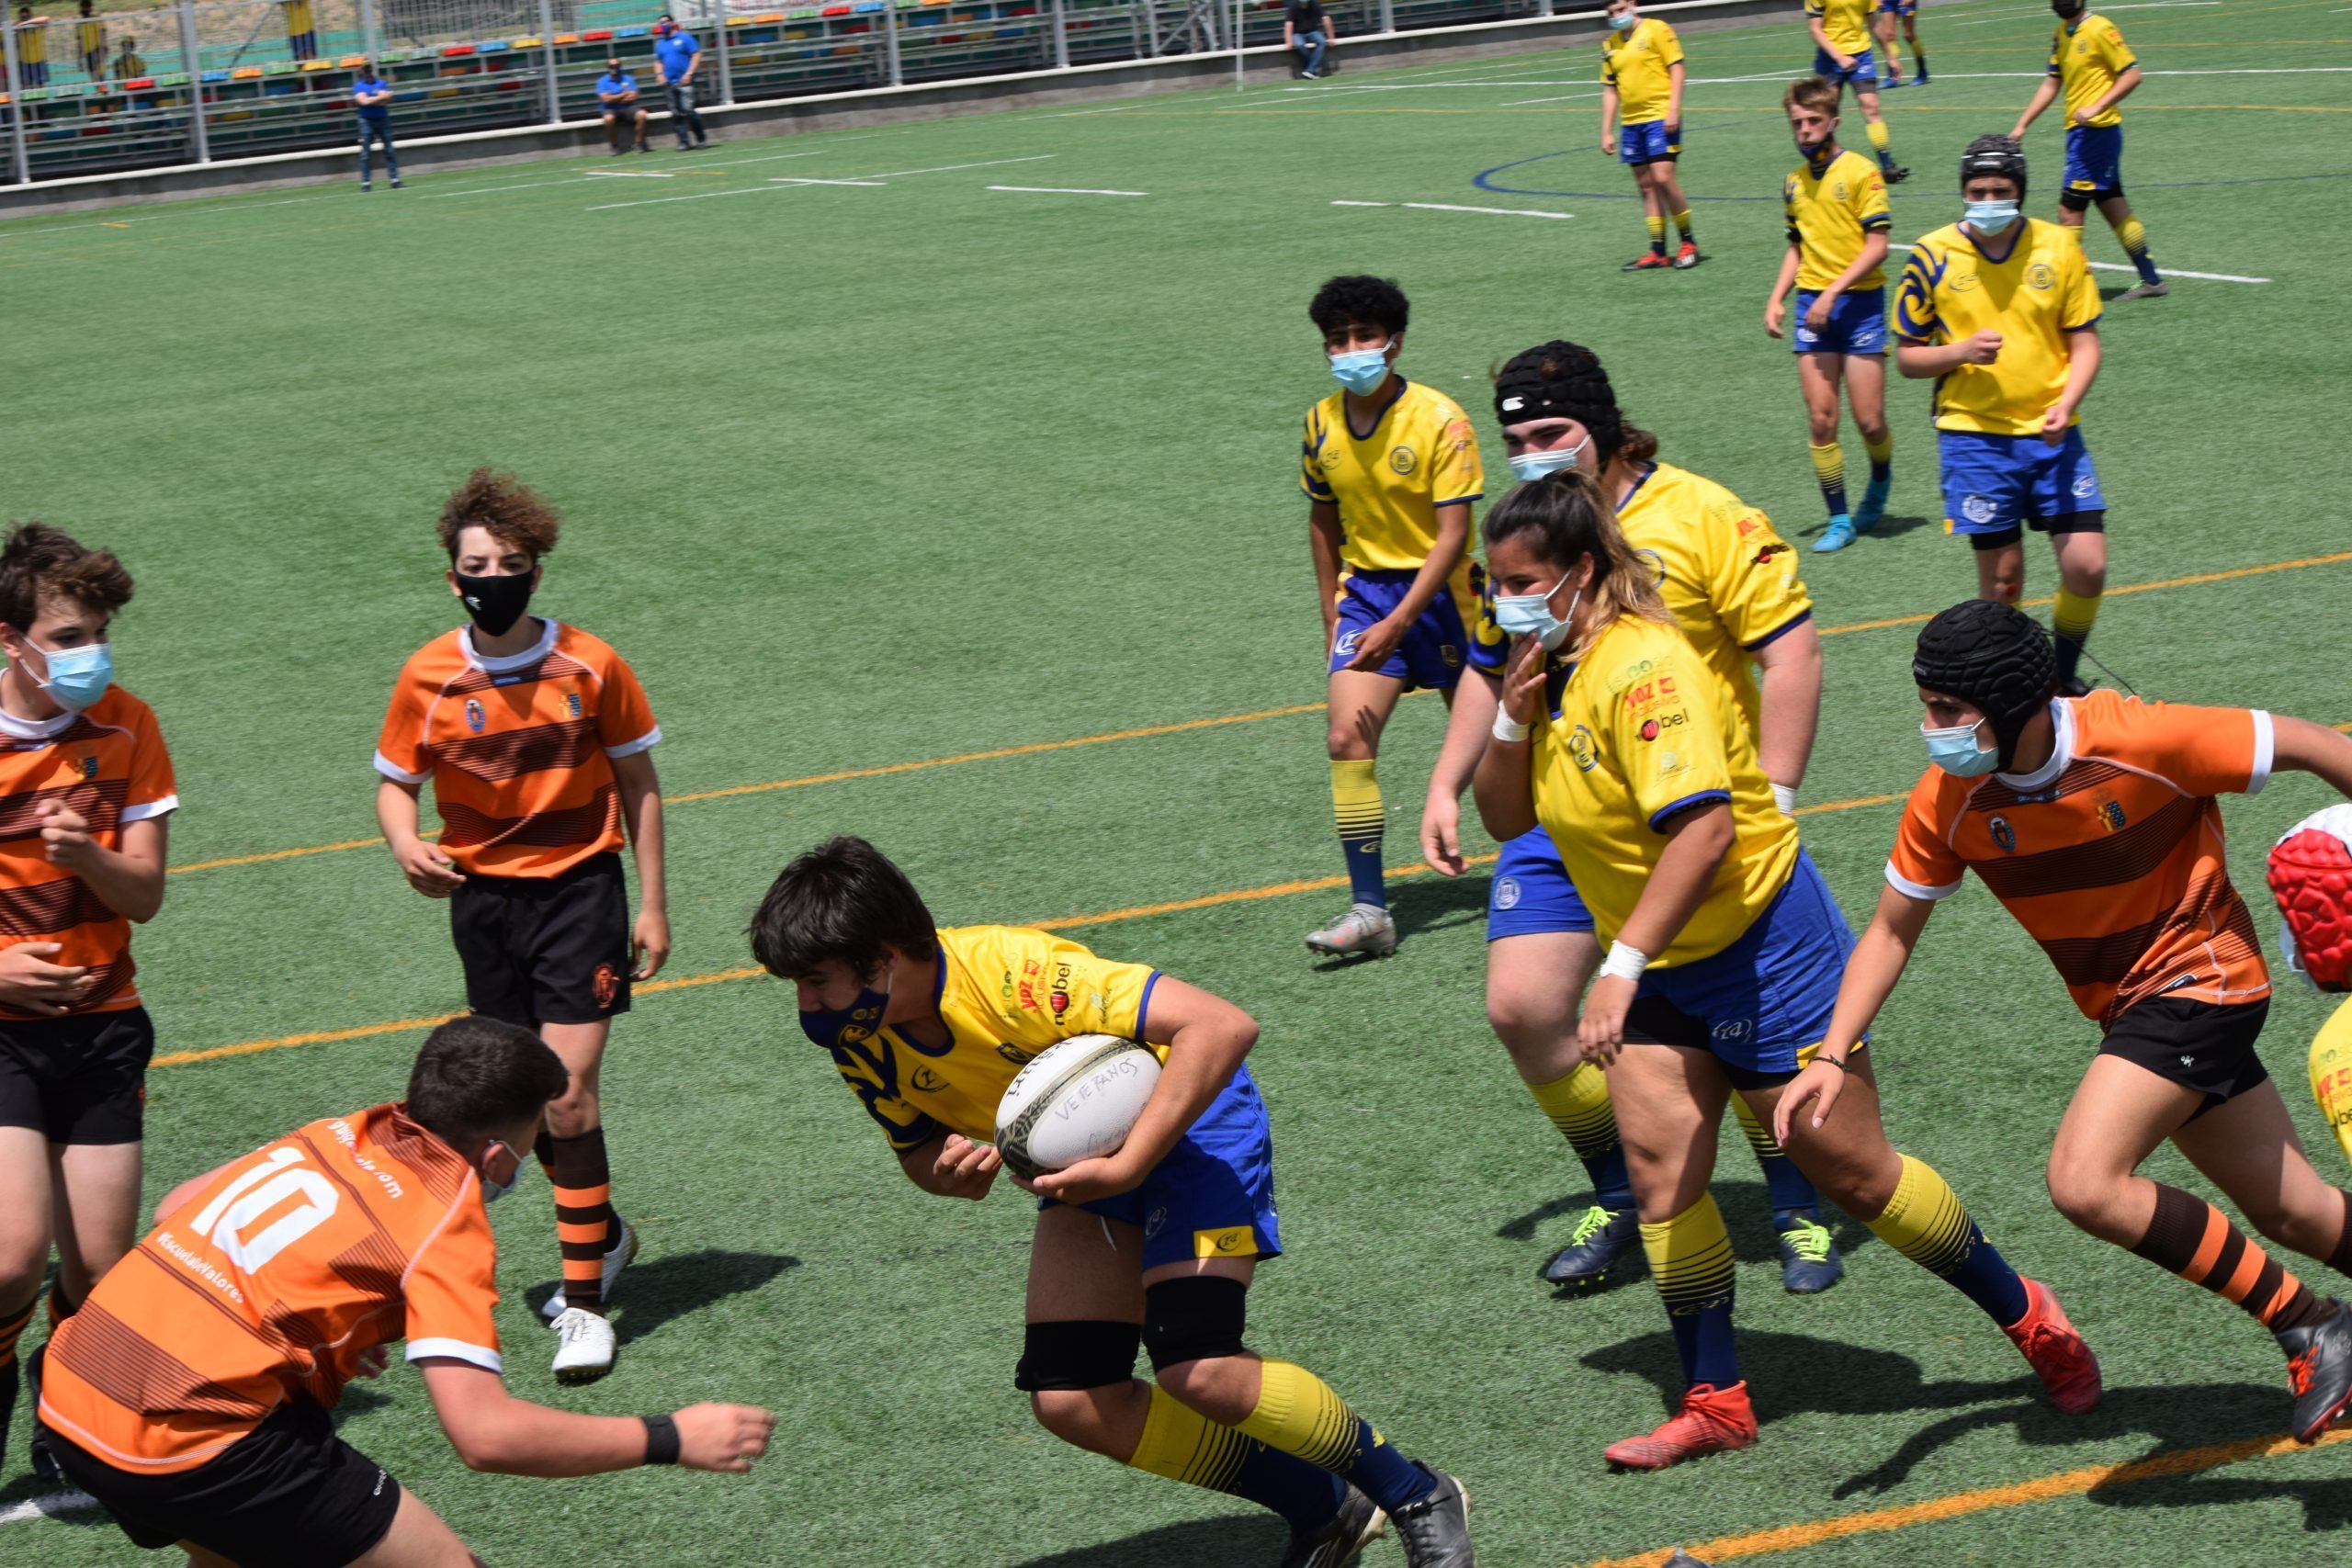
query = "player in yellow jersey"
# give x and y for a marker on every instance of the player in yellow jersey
(1724, 945)
(1906, 12)
(1390, 468)
(1836, 205)
(33, 48)
(2311, 876)
(1999, 310)
(1153, 1247)
(2096, 70)
(90, 37)
(1732, 586)
(1841, 53)
(1641, 122)
(301, 30)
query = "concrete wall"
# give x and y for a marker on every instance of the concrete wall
(876, 106)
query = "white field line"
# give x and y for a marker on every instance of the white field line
(576, 179)
(2168, 271)
(790, 180)
(1068, 190)
(760, 189)
(47, 1507)
(625, 175)
(1449, 207)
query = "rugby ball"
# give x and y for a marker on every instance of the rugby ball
(1076, 1099)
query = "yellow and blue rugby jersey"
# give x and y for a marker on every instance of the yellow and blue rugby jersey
(32, 44)
(2086, 58)
(1830, 211)
(1639, 729)
(1731, 581)
(1421, 454)
(1846, 22)
(1638, 63)
(1005, 993)
(2033, 297)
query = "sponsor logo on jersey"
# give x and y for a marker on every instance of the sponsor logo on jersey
(1232, 1241)
(927, 1080)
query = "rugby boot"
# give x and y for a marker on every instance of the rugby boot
(2319, 1369)
(1357, 1525)
(1435, 1531)
(2068, 1370)
(1712, 1420)
(1809, 1260)
(1364, 929)
(1603, 1238)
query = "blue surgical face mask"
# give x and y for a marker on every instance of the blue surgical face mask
(78, 677)
(1619, 24)
(491, 1191)
(1990, 217)
(1529, 466)
(1955, 750)
(1362, 370)
(836, 1028)
(1529, 615)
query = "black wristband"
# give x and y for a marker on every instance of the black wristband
(661, 1440)
(1833, 1061)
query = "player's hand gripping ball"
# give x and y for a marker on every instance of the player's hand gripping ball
(1077, 1099)
(2311, 876)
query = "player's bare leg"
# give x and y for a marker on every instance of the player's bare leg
(1358, 705)
(595, 1244)
(1086, 1268)
(2000, 572)
(1666, 179)
(1653, 219)
(1865, 376)
(418, 1539)
(1818, 378)
(1535, 982)
(25, 1223)
(96, 1188)
(1918, 55)
(1883, 29)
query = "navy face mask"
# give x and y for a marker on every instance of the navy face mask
(839, 1028)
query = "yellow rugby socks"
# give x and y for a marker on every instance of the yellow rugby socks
(2134, 240)
(1181, 1444)
(1690, 1258)
(1299, 1414)
(1882, 143)
(2071, 620)
(1656, 225)
(1882, 456)
(1927, 1222)
(1682, 223)
(1356, 806)
(1829, 472)
(1578, 1106)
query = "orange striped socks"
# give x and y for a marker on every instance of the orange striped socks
(2196, 1241)
(583, 1217)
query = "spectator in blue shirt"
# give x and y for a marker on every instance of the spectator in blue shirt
(616, 90)
(372, 96)
(675, 56)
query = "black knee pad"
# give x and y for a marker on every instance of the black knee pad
(2074, 200)
(1195, 1317)
(1076, 1355)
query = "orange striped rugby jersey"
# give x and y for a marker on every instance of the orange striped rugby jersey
(269, 1284)
(109, 764)
(519, 750)
(2110, 854)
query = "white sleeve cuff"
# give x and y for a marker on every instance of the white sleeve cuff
(455, 1350)
(1905, 885)
(169, 804)
(2266, 740)
(645, 743)
(394, 772)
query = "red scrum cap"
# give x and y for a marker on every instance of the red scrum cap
(2310, 876)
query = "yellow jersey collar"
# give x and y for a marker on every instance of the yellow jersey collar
(1403, 385)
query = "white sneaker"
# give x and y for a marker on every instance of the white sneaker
(1364, 929)
(587, 1346)
(2156, 291)
(616, 1257)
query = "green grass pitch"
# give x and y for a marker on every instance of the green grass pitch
(859, 475)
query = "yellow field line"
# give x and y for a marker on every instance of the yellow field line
(2065, 1484)
(1035, 748)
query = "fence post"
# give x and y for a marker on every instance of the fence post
(1387, 15)
(194, 65)
(16, 107)
(725, 72)
(547, 62)
(892, 66)
(1062, 37)
(371, 38)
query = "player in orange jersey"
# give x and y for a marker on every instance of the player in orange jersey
(85, 790)
(190, 1395)
(2093, 820)
(536, 737)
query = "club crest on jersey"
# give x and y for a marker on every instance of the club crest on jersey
(571, 702)
(90, 766)
(1402, 460)
(607, 983)
(2040, 276)
(475, 717)
(1506, 893)
(928, 1081)
(1979, 509)
(2003, 834)
(1658, 566)
(1583, 749)
(2110, 814)
(1014, 1054)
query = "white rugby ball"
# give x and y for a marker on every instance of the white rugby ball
(1076, 1099)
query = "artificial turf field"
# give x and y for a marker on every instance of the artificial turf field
(965, 519)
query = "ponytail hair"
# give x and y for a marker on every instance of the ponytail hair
(1563, 518)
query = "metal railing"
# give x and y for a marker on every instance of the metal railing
(201, 82)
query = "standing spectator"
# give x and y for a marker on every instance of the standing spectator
(676, 57)
(372, 96)
(33, 48)
(616, 91)
(1309, 33)
(91, 34)
(301, 31)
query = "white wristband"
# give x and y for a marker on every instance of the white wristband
(1785, 798)
(1510, 728)
(1624, 963)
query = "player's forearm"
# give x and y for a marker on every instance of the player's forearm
(1821, 36)
(1925, 361)
(2125, 85)
(2301, 746)
(522, 1438)
(2082, 369)
(641, 807)
(1201, 1059)
(131, 885)
(396, 812)
(1790, 260)
(1453, 536)
(1323, 544)
(1503, 788)
(1677, 884)
(2042, 96)
(1608, 109)
(1876, 963)
(1790, 707)
(1467, 727)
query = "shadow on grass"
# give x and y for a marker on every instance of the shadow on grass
(654, 1293)
(1249, 1541)
(1891, 526)
(1747, 1216)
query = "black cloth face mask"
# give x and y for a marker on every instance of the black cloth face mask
(495, 603)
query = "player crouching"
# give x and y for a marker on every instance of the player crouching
(928, 1027)
(190, 1393)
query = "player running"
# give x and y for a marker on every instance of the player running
(1390, 468)
(1723, 945)
(1731, 587)
(86, 787)
(1999, 310)
(2311, 876)
(2093, 820)
(535, 738)
(191, 1397)
(1907, 13)
(2096, 70)
(1837, 221)
(1154, 1245)
(1841, 54)
(1641, 122)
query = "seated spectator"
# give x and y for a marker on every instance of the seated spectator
(1308, 32)
(130, 64)
(616, 91)
(371, 96)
